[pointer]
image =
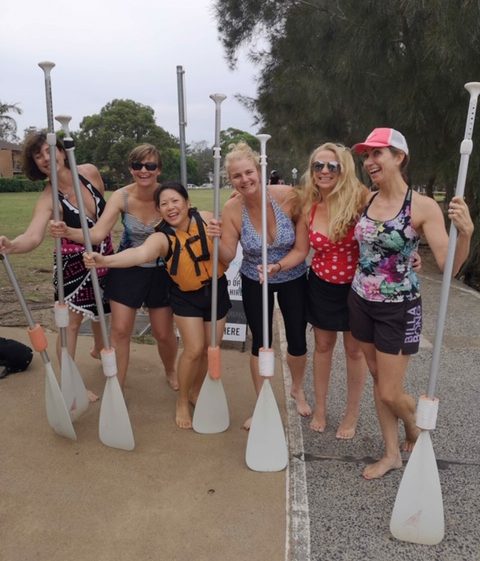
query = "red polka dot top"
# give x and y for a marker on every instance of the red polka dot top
(333, 262)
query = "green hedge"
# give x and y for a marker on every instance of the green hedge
(19, 185)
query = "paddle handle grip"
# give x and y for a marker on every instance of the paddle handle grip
(266, 362)
(38, 338)
(427, 411)
(214, 363)
(109, 362)
(60, 312)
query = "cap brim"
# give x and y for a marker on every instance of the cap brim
(363, 147)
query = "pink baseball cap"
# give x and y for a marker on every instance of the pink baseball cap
(382, 138)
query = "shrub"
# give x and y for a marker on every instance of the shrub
(19, 185)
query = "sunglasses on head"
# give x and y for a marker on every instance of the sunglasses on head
(149, 166)
(333, 167)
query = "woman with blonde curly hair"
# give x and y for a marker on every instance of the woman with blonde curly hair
(332, 198)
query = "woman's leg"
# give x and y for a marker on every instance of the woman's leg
(97, 339)
(161, 322)
(123, 321)
(191, 365)
(356, 376)
(322, 366)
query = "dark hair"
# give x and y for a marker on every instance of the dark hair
(174, 186)
(32, 146)
(274, 177)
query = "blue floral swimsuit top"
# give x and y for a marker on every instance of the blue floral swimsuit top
(135, 232)
(251, 242)
(384, 271)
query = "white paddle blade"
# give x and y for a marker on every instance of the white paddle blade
(417, 515)
(73, 388)
(57, 412)
(211, 414)
(115, 429)
(266, 445)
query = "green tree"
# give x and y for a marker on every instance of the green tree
(8, 125)
(334, 70)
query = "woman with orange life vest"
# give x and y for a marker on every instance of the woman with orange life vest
(182, 242)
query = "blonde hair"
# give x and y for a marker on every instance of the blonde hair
(239, 151)
(344, 202)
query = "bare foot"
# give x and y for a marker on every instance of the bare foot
(193, 398)
(411, 436)
(303, 408)
(346, 430)
(172, 380)
(183, 417)
(380, 468)
(94, 353)
(318, 422)
(92, 397)
(246, 425)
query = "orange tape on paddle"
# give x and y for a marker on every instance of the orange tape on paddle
(38, 338)
(214, 369)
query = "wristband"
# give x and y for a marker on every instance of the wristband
(279, 266)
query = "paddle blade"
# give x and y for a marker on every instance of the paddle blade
(115, 429)
(211, 410)
(266, 445)
(73, 388)
(57, 412)
(417, 515)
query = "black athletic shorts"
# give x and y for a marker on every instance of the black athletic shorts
(393, 327)
(327, 304)
(139, 286)
(198, 303)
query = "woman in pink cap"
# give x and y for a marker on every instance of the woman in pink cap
(385, 304)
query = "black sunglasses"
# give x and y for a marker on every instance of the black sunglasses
(149, 166)
(333, 167)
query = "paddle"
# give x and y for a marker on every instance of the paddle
(73, 388)
(266, 444)
(57, 413)
(114, 427)
(418, 511)
(211, 410)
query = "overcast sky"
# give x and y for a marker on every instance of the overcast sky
(107, 49)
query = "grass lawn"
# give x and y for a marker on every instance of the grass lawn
(15, 214)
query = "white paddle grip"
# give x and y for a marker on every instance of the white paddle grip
(60, 311)
(266, 362)
(427, 411)
(109, 362)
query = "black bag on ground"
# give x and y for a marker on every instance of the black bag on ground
(14, 357)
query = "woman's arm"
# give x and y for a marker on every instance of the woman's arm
(35, 232)
(436, 234)
(156, 245)
(227, 230)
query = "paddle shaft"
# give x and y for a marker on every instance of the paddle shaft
(217, 98)
(465, 151)
(263, 138)
(70, 150)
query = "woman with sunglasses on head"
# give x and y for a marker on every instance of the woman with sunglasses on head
(287, 244)
(385, 303)
(332, 199)
(77, 279)
(182, 242)
(146, 285)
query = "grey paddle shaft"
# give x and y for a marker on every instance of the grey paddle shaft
(70, 150)
(465, 150)
(264, 138)
(52, 147)
(182, 123)
(21, 299)
(217, 98)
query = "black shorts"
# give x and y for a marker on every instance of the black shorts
(327, 304)
(139, 286)
(392, 327)
(198, 303)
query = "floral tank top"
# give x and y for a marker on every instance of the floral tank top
(384, 271)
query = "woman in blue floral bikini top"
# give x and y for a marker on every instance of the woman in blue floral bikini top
(384, 303)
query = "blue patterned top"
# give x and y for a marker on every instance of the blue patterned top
(384, 271)
(251, 242)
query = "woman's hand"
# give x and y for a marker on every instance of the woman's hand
(5, 244)
(460, 215)
(93, 260)
(416, 262)
(214, 228)
(58, 229)
(272, 269)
